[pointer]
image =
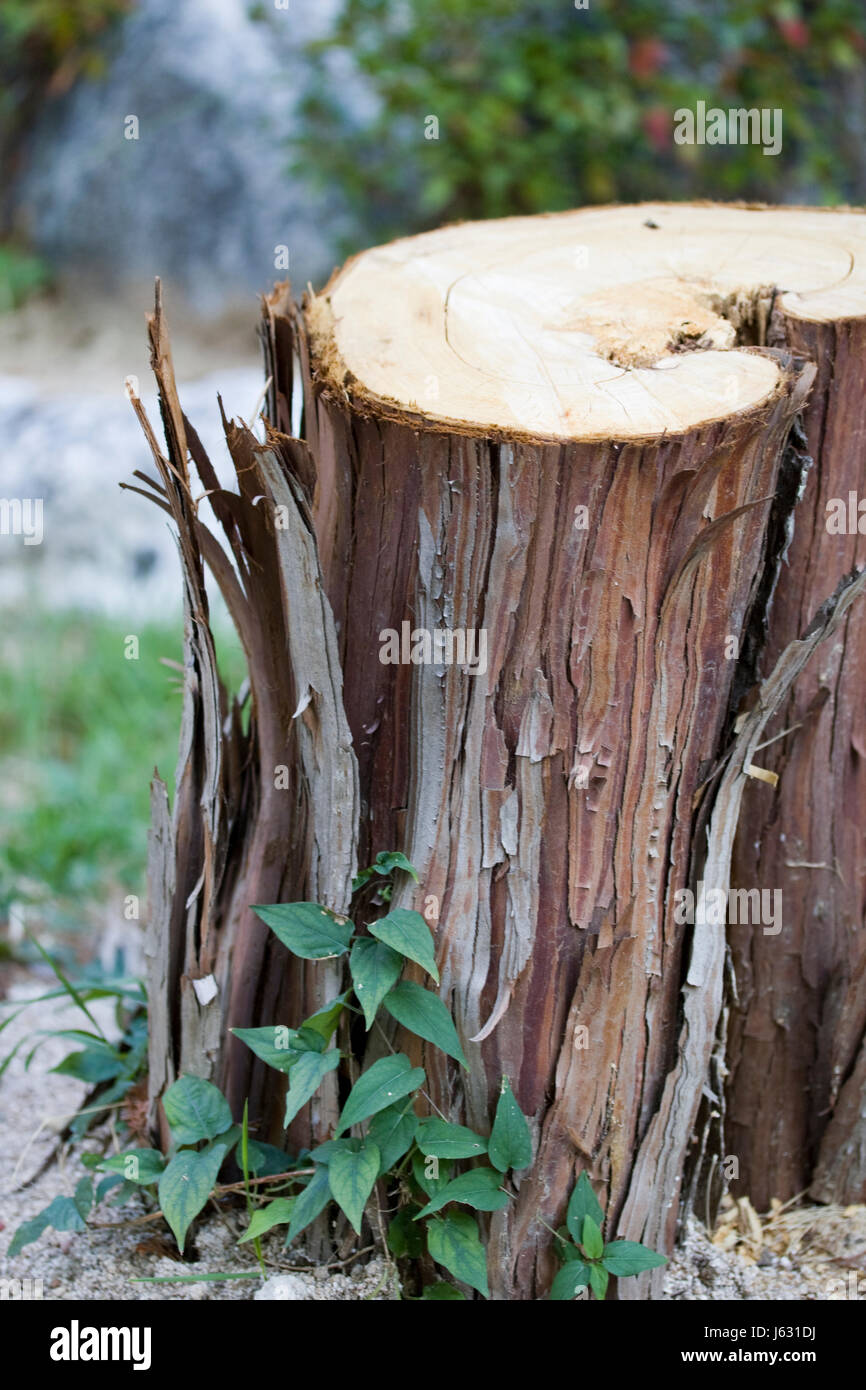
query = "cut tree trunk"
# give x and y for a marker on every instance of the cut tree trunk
(799, 1019)
(566, 438)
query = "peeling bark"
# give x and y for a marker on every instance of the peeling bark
(264, 816)
(651, 1209)
(797, 1029)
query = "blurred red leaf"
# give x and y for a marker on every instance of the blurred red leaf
(794, 31)
(657, 125)
(646, 56)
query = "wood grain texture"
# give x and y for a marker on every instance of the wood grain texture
(597, 323)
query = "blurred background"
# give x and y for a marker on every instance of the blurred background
(223, 145)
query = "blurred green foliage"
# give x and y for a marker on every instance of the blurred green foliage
(81, 728)
(80, 731)
(21, 274)
(45, 46)
(544, 106)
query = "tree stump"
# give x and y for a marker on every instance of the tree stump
(513, 628)
(799, 1022)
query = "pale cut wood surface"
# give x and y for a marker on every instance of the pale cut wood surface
(583, 324)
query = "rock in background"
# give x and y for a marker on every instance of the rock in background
(202, 197)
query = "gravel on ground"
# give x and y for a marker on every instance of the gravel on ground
(795, 1253)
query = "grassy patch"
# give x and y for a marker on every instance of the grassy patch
(21, 275)
(81, 729)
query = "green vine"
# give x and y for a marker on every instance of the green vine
(430, 1175)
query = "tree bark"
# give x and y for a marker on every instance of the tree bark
(601, 480)
(261, 815)
(799, 1020)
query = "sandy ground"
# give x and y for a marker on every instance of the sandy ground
(810, 1253)
(102, 1263)
(76, 341)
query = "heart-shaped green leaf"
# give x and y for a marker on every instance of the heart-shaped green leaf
(323, 1023)
(195, 1110)
(96, 1063)
(626, 1257)
(408, 933)
(598, 1277)
(572, 1276)
(277, 1045)
(276, 1213)
(454, 1243)
(378, 1087)
(186, 1184)
(389, 860)
(352, 1174)
(510, 1143)
(306, 1076)
(441, 1139)
(265, 1160)
(425, 1015)
(583, 1202)
(480, 1188)
(392, 1131)
(308, 930)
(375, 970)
(143, 1166)
(62, 1215)
(431, 1174)
(309, 1203)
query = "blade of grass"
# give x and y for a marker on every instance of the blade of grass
(12, 1017)
(257, 1244)
(87, 992)
(68, 987)
(8, 1058)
